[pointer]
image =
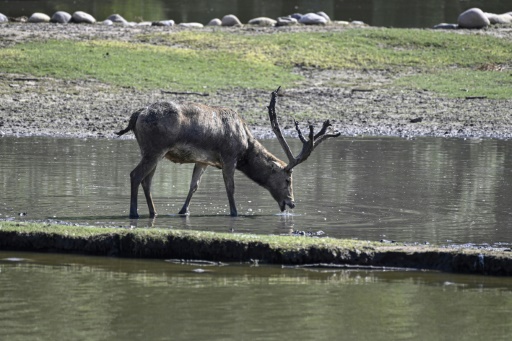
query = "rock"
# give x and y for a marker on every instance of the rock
(312, 19)
(230, 20)
(142, 23)
(323, 14)
(296, 16)
(3, 18)
(262, 21)
(38, 17)
(357, 23)
(80, 17)
(473, 18)
(445, 26)
(116, 18)
(60, 17)
(163, 23)
(498, 18)
(107, 22)
(191, 25)
(215, 22)
(286, 21)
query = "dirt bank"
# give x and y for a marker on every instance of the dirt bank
(296, 251)
(358, 104)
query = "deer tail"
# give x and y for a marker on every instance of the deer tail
(131, 124)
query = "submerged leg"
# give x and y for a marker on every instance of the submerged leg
(194, 184)
(145, 167)
(228, 172)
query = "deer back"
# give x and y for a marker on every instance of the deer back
(190, 132)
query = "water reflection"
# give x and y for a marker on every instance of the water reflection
(387, 13)
(434, 190)
(118, 299)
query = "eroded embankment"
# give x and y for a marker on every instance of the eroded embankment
(195, 245)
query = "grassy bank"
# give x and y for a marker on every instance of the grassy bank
(449, 63)
(195, 245)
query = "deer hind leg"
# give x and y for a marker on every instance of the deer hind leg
(145, 168)
(194, 184)
(228, 172)
(146, 186)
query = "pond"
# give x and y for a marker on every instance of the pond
(52, 297)
(422, 190)
(387, 13)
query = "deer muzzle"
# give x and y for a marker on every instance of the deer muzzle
(287, 202)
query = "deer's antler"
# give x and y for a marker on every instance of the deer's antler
(307, 145)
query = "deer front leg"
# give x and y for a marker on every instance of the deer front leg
(194, 184)
(145, 167)
(228, 172)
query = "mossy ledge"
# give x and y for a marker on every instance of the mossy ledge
(285, 250)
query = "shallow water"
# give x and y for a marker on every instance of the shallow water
(423, 190)
(54, 297)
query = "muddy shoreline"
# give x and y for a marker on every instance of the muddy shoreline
(361, 103)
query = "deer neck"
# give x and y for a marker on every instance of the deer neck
(258, 163)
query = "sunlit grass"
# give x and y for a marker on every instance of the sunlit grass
(142, 65)
(443, 62)
(355, 48)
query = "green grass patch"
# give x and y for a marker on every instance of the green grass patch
(211, 60)
(282, 243)
(354, 48)
(463, 83)
(142, 66)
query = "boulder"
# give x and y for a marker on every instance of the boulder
(498, 18)
(262, 21)
(312, 19)
(473, 18)
(215, 22)
(107, 22)
(80, 17)
(231, 20)
(38, 17)
(116, 18)
(3, 18)
(60, 17)
(163, 23)
(323, 14)
(296, 16)
(286, 21)
(191, 25)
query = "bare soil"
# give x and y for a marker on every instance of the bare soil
(358, 102)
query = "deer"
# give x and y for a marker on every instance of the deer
(218, 137)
